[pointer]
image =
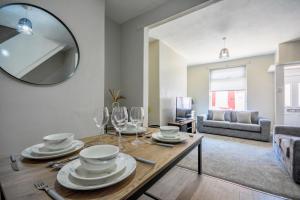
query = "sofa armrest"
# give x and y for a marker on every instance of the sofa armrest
(287, 130)
(265, 126)
(264, 122)
(200, 119)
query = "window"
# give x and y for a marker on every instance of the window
(287, 95)
(228, 88)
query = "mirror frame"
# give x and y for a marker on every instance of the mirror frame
(68, 29)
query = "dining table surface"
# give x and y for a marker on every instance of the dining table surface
(20, 184)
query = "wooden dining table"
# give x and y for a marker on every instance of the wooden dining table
(20, 184)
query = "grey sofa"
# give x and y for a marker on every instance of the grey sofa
(286, 144)
(259, 129)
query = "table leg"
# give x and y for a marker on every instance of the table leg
(200, 158)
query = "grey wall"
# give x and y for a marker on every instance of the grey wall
(112, 57)
(260, 84)
(29, 112)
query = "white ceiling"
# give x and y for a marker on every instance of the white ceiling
(123, 10)
(252, 27)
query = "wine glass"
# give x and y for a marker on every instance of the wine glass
(101, 117)
(137, 118)
(119, 119)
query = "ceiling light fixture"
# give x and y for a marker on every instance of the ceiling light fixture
(25, 25)
(224, 53)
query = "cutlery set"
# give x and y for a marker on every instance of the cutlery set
(150, 162)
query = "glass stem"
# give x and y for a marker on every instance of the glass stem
(136, 135)
(100, 136)
(119, 140)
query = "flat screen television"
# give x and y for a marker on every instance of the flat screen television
(183, 108)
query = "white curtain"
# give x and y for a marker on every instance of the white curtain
(228, 79)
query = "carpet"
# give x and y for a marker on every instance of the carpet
(246, 162)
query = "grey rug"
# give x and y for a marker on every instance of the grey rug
(246, 162)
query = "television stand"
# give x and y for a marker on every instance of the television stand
(185, 125)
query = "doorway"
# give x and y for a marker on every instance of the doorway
(292, 95)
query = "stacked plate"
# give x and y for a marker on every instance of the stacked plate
(132, 130)
(98, 166)
(169, 134)
(53, 146)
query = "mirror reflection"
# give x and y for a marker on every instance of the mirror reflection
(35, 46)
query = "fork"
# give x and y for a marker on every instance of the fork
(53, 194)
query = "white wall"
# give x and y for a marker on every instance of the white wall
(172, 81)
(134, 50)
(260, 84)
(167, 80)
(112, 57)
(28, 112)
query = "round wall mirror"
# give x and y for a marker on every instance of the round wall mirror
(36, 46)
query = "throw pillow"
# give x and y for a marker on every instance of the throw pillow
(218, 115)
(243, 117)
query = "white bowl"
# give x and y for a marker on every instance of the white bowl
(58, 141)
(98, 158)
(169, 131)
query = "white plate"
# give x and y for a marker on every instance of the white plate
(64, 178)
(42, 150)
(81, 174)
(131, 131)
(182, 137)
(27, 153)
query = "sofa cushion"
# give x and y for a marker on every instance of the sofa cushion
(245, 127)
(254, 116)
(227, 115)
(216, 124)
(243, 117)
(219, 115)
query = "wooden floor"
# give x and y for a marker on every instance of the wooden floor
(184, 184)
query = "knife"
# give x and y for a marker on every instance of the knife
(163, 144)
(159, 143)
(14, 163)
(143, 160)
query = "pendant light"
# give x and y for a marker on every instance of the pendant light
(224, 53)
(25, 25)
